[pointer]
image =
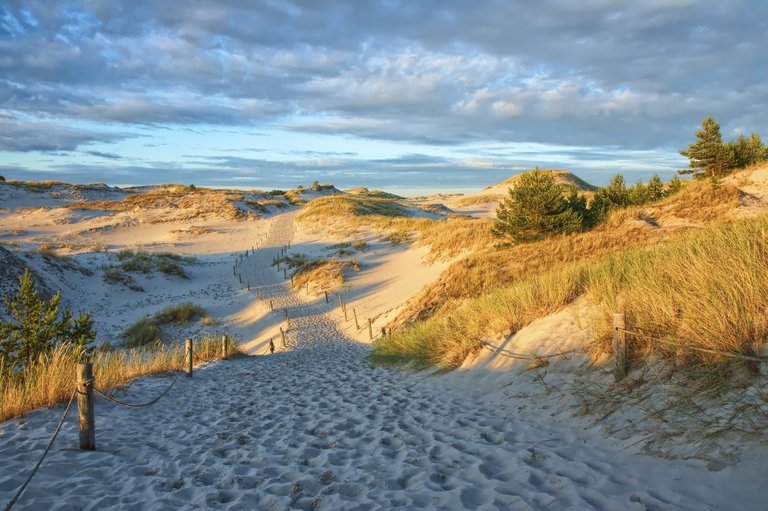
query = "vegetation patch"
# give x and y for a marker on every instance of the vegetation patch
(148, 330)
(145, 263)
(48, 379)
(699, 300)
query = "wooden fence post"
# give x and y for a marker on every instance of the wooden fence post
(370, 329)
(326, 296)
(271, 307)
(271, 347)
(354, 313)
(188, 360)
(282, 336)
(85, 413)
(621, 362)
(224, 347)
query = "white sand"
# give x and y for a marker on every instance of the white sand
(317, 427)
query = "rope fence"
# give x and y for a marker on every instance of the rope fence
(523, 356)
(56, 432)
(84, 391)
(621, 352)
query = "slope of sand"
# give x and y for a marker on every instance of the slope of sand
(316, 427)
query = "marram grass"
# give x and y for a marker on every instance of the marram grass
(51, 378)
(705, 290)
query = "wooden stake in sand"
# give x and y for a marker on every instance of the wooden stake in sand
(271, 347)
(354, 313)
(620, 358)
(224, 347)
(370, 329)
(326, 296)
(271, 307)
(188, 359)
(85, 414)
(282, 336)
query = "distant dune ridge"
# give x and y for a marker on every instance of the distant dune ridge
(531, 416)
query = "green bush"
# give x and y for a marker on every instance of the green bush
(141, 333)
(182, 313)
(37, 327)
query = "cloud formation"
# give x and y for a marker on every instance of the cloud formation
(600, 73)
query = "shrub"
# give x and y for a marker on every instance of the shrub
(141, 333)
(535, 209)
(37, 328)
(182, 313)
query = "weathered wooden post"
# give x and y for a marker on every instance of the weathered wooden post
(271, 307)
(85, 413)
(326, 296)
(383, 332)
(224, 347)
(621, 361)
(271, 346)
(354, 313)
(188, 359)
(282, 336)
(370, 329)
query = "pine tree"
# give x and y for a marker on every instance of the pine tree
(36, 327)
(747, 151)
(675, 185)
(617, 193)
(534, 209)
(638, 194)
(655, 188)
(708, 156)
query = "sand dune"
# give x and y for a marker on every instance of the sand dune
(316, 427)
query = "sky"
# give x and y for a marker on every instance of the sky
(403, 95)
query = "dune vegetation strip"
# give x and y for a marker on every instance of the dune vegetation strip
(705, 290)
(149, 329)
(50, 378)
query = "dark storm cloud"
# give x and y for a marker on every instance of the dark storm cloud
(597, 72)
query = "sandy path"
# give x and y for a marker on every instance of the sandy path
(317, 427)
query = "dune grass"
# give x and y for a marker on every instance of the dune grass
(323, 274)
(148, 330)
(51, 379)
(708, 289)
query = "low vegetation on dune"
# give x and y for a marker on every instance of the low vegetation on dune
(708, 289)
(146, 263)
(149, 329)
(446, 238)
(679, 259)
(188, 203)
(49, 379)
(317, 274)
(41, 345)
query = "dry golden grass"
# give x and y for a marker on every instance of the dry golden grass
(487, 267)
(51, 379)
(323, 275)
(473, 200)
(707, 290)
(446, 238)
(197, 203)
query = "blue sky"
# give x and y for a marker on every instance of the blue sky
(408, 96)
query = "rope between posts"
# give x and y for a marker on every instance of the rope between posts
(523, 356)
(137, 405)
(45, 453)
(694, 348)
(201, 359)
